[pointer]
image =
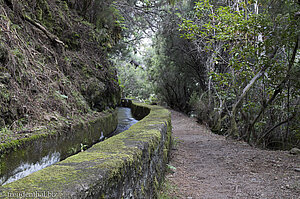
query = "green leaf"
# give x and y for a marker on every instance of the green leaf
(171, 167)
(62, 96)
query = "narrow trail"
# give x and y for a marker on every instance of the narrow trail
(209, 166)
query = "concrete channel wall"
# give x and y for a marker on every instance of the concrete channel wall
(67, 141)
(129, 165)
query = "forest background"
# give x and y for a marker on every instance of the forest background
(234, 65)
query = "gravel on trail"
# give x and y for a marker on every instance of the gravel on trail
(209, 166)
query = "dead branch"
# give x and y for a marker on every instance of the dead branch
(51, 36)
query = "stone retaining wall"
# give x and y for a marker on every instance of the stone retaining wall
(129, 165)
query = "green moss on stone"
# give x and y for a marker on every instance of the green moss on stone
(51, 178)
(110, 158)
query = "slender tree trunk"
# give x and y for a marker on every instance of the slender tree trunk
(234, 130)
(278, 88)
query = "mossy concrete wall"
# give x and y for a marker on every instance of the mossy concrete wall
(129, 165)
(67, 141)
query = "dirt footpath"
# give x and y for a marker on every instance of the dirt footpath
(210, 166)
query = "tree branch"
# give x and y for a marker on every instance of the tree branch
(279, 87)
(274, 127)
(51, 36)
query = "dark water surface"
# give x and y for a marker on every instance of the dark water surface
(125, 121)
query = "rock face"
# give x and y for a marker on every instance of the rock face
(295, 151)
(53, 61)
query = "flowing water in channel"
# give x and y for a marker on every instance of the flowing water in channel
(25, 169)
(125, 121)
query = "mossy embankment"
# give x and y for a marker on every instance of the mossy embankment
(53, 67)
(130, 164)
(54, 74)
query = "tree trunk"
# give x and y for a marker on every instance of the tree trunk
(277, 90)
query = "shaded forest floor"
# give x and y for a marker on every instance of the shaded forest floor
(211, 166)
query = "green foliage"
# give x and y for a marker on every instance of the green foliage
(61, 96)
(249, 60)
(83, 147)
(168, 190)
(105, 16)
(134, 81)
(171, 167)
(173, 63)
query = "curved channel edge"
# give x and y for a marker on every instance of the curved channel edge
(129, 165)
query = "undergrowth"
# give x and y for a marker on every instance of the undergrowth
(49, 72)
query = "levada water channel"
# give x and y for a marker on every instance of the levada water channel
(125, 120)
